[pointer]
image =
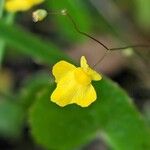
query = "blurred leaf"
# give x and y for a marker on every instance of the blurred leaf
(1, 8)
(6, 81)
(30, 44)
(59, 128)
(32, 87)
(123, 126)
(1, 42)
(146, 111)
(142, 13)
(11, 119)
(9, 19)
(79, 12)
(2, 45)
(70, 127)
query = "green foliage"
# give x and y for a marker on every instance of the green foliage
(113, 114)
(1, 41)
(59, 128)
(72, 126)
(74, 8)
(121, 122)
(11, 119)
(1, 7)
(8, 19)
(142, 12)
(31, 87)
(2, 45)
(30, 44)
(147, 112)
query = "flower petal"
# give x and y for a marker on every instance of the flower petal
(20, 5)
(83, 63)
(36, 2)
(17, 5)
(94, 75)
(70, 92)
(84, 96)
(65, 90)
(61, 69)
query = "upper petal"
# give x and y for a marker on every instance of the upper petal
(61, 69)
(93, 74)
(83, 63)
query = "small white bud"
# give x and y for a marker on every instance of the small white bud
(39, 15)
(128, 52)
(64, 12)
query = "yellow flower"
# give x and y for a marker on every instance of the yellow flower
(74, 84)
(20, 5)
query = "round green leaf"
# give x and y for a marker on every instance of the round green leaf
(11, 119)
(60, 128)
(70, 127)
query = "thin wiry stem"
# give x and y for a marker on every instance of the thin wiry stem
(65, 13)
(83, 33)
(130, 46)
(107, 49)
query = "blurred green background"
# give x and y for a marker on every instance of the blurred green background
(28, 50)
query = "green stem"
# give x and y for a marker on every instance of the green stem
(1, 41)
(1, 8)
(9, 20)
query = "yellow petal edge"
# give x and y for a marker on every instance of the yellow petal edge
(21, 5)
